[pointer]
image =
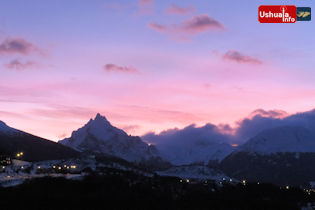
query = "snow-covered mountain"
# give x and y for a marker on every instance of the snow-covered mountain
(282, 155)
(282, 139)
(99, 136)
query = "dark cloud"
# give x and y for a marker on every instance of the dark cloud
(236, 56)
(201, 23)
(18, 46)
(191, 144)
(258, 121)
(116, 68)
(207, 134)
(195, 25)
(177, 10)
(19, 65)
(249, 127)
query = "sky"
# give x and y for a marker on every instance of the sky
(149, 65)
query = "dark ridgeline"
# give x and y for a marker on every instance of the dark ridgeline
(34, 148)
(281, 168)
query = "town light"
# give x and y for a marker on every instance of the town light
(20, 154)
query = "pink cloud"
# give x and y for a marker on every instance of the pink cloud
(62, 136)
(145, 2)
(62, 111)
(269, 113)
(158, 27)
(177, 10)
(130, 129)
(236, 56)
(116, 68)
(19, 65)
(11, 115)
(18, 46)
(146, 7)
(193, 26)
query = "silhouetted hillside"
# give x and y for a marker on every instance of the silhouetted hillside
(34, 148)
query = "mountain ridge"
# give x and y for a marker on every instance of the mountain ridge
(99, 136)
(34, 148)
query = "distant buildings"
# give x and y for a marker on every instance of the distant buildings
(5, 161)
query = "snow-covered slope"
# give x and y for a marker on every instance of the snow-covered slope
(282, 139)
(194, 172)
(99, 136)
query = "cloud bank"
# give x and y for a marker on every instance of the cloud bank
(246, 128)
(191, 144)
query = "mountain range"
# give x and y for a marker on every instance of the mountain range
(282, 154)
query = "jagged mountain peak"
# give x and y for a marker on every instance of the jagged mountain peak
(101, 119)
(99, 136)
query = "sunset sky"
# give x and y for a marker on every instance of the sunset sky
(148, 65)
